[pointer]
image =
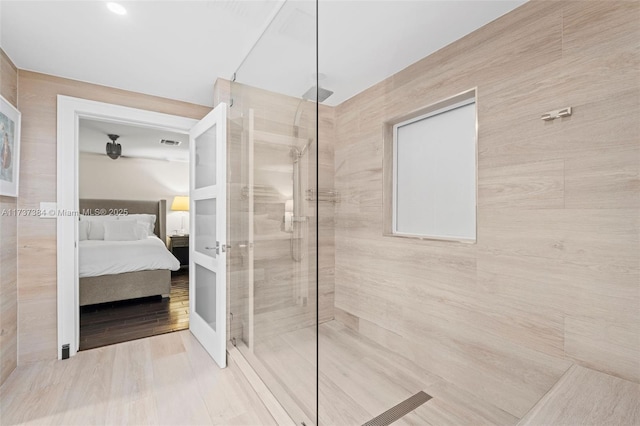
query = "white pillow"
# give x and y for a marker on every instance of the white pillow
(149, 219)
(98, 218)
(96, 231)
(120, 230)
(142, 230)
(83, 230)
(96, 225)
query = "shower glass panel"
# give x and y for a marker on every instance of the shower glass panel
(272, 211)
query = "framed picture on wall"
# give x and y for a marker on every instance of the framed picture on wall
(9, 148)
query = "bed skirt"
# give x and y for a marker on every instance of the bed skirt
(129, 285)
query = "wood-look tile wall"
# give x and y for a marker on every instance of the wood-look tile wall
(326, 212)
(554, 277)
(37, 98)
(8, 246)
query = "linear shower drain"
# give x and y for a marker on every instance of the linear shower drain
(398, 411)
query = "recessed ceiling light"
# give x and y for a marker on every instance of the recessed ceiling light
(117, 8)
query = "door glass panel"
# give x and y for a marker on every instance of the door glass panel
(206, 295)
(205, 223)
(205, 161)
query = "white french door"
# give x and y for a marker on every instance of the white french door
(208, 230)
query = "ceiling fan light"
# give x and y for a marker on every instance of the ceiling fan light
(114, 150)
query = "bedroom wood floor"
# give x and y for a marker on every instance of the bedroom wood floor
(116, 322)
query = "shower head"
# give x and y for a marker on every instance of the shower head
(323, 94)
(309, 95)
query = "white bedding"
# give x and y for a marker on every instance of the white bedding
(97, 257)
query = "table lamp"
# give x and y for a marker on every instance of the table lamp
(180, 204)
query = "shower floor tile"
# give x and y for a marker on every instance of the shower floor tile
(360, 379)
(374, 379)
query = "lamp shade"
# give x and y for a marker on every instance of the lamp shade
(180, 203)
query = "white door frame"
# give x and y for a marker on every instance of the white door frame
(70, 111)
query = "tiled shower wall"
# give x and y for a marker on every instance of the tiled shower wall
(554, 276)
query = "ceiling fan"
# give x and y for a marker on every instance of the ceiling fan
(114, 150)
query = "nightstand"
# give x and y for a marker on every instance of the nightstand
(179, 247)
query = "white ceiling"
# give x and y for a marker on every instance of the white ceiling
(177, 49)
(138, 142)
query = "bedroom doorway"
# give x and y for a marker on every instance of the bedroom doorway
(121, 288)
(133, 283)
(71, 111)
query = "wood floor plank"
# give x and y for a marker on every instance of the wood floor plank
(176, 386)
(108, 323)
(157, 380)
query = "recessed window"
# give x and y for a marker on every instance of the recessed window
(431, 175)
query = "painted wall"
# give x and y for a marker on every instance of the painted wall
(135, 179)
(8, 246)
(554, 277)
(37, 98)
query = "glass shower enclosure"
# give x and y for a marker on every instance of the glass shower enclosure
(272, 222)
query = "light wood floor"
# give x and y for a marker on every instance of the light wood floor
(170, 379)
(167, 379)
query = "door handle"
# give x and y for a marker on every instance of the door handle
(219, 247)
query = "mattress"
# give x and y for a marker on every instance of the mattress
(97, 257)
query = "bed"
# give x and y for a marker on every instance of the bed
(119, 270)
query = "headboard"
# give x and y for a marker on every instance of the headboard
(158, 208)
